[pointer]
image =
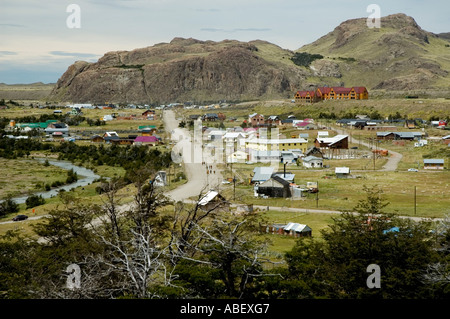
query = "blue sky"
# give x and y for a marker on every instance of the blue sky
(36, 44)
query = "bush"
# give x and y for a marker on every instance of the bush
(8, 206)
(34, 200)
(305, 59)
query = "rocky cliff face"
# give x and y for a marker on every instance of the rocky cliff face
(182, 70)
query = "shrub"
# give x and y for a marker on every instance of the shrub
(8, 206)
(305, 59)
(34, 200)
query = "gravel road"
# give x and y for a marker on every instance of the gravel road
(392, 161)
(196, 173)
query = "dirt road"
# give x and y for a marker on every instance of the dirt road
(196, 172)
(392, 161)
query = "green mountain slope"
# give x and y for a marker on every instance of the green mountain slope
(397, 56)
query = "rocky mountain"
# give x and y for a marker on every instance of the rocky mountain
(398, 56)
(182, 70)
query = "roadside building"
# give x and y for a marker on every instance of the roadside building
(342, 172)
(212, 200)
(274, 187)
(297, 230)
(433, 163)
(312, 162)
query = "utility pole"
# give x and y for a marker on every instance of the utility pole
(317, 195)
(374, 153)
(415, 200)
(234, 187)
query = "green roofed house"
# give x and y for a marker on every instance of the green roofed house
(41, 125)
(143, 127)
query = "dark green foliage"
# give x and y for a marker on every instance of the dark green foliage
(8, 206)
(129, 157)
(337, 267)
(304, 58)
(71, 176)
(34, 200)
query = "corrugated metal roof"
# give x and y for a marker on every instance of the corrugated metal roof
(433, 161)
(297, 227)
(262, 173)
(288, 177)
(208, 197)
(342, 170)
(311, 158)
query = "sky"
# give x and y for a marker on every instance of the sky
(40, 39)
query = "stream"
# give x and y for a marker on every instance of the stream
(85, 177)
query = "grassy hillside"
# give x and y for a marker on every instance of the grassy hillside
(398, 56)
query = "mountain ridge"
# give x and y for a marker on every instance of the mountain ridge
(398, 56)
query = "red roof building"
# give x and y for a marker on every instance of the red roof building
(332, 93)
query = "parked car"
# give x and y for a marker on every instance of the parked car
(413, 170)
(20, 217)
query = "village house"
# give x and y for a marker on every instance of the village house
(314, 151)
(57, 129)
(212, 200)
(210, 117)
(237, 157)
(259, 144)
(256, 119)
(221, 116)
(336, 142)
(289, 156)
(233, 137)
(312, 162)
(433, 163)
(266, 156)
(273, 120)
(297, 230)
(287, 176)
(149, 115)
(304, 125)
(399, 135)
(216, 135)
(411, 124)
(261, 174)
(342, 172)
(97, 139)
(274, 187)
(146, 140)
(195, 117)
(446, 139)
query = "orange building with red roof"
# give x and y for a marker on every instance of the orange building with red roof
(332, 93)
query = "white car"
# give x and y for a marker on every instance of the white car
(413, 170)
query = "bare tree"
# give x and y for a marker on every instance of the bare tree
(439, 273)
(230, 245)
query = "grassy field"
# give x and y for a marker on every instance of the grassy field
(432, 191)
(281, 244)
(22, 176)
